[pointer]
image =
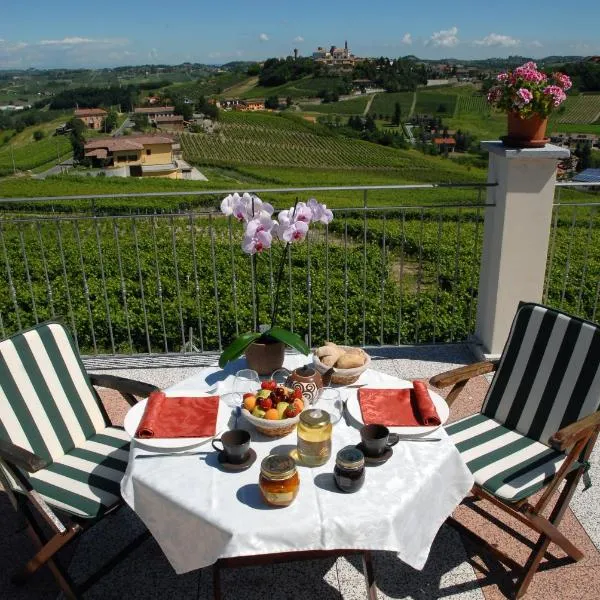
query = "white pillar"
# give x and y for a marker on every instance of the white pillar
(516, 234)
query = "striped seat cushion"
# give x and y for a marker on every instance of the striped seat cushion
(549, 373)
(47, 404)
(504, 462)
(86, 481)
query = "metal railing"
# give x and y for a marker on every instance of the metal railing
(401, 266)
(573, 267)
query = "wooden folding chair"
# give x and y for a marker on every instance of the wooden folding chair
(537, 426)
(58, 450)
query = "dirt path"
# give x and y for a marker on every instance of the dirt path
(239, 88)
(368, 106)
(412, 106)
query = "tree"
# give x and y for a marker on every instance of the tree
(288, 101)
(397, 114)
(38, 135)
(77, 140)
(272, 102)
(185, 110)
(140, 122)
(110, 121)
(370, 123)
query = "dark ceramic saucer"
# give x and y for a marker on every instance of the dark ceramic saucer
(236, 467)
(377, 460)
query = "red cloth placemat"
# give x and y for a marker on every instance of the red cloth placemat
(178, 417)
(409, 407)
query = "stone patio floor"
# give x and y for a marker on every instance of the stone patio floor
(454, 569)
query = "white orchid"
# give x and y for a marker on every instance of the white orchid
(320, 212)
(291, 225)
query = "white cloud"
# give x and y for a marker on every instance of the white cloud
(153, 54)
(298, 38)
(406, 39)
(495, 39)
(536, 44)
(446, 38)
(263, 37)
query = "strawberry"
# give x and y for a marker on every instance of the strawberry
(270, 384)
(291, 411)
(297, 393)
(265, 403)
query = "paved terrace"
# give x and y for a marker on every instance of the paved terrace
(454, 570)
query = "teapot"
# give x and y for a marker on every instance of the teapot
(309, 381)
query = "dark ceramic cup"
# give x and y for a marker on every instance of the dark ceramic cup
(376, 438)
(236, 445)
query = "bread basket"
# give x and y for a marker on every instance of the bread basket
(274, 428)
(344, 376)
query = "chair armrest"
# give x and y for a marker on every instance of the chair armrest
(465, 373)
(564, 438)
(120, 384)
(21, 458)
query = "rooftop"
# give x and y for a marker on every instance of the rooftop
(90, 112)
(137, 142)
(452, 571)
(154, 109)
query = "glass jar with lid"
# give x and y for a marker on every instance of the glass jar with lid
(279, 481)
(314, 437)
(349, 471)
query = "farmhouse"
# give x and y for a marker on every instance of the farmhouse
(92, 118)
(135, 156)
(166, 123)
(152, 112)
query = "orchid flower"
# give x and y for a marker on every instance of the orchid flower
(320, 212)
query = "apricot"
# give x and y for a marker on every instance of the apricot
(250, 403)
(272, 414)
(299, 404)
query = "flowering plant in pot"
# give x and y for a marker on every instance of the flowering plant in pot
(528, 95)
(260, 230)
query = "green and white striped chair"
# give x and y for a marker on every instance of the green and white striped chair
(58, 450)
(538, 424)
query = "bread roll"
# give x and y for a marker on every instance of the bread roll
(349, 361)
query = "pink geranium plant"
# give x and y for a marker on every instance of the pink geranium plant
(260, 229)
(528, 91)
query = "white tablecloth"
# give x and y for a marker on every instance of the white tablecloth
(199, 513)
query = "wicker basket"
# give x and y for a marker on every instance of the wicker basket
(272, 428)
(344, 376)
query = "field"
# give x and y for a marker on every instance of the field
(29, 154)
(384, 104)
(435, 103)
(306, 87)
(580, 109)
(354, 106)
(272, 141)
(471, 105)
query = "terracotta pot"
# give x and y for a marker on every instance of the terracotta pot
(265, 358)
(526, 133)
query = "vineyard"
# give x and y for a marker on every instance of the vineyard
(354, 106)
(384, 104)
(580, 109)
(34, 154)
(139, 284)
(435, 103)
(471, 105)
(271, 141)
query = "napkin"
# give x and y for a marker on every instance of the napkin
(180, 417)
(409, 407)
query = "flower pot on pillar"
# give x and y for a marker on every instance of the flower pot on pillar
(526, 132)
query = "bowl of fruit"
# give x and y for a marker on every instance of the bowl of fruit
(274, 409)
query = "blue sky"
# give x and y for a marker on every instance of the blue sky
(38, 33)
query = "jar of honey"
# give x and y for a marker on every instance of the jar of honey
(314, 437)
(279, 481)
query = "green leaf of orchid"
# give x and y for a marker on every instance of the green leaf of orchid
(287, 337)
(237, 347)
